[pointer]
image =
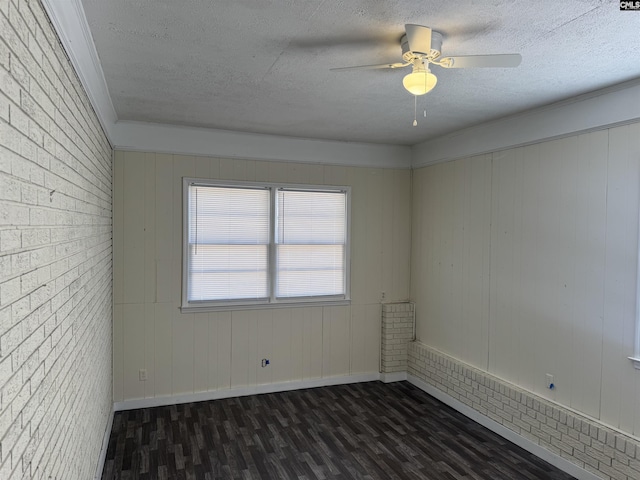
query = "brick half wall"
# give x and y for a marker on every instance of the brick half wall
(397, 331)
(583, 441)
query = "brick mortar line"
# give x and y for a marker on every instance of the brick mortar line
(63, 98)
(445, 369)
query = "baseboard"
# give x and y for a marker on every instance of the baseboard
(105, 446)
(393, 377)
(243, 391)
(528, 445)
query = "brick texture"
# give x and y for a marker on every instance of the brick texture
(397, 332)
(55, 257)
(585, 442)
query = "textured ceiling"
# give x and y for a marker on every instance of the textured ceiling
(262, 66)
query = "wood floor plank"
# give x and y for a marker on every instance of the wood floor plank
(365, 431)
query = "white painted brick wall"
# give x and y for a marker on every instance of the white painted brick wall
(608, 453)
(55, 257)
(397, 332)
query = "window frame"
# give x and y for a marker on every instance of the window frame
(271, 301)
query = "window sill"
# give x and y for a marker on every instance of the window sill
(262, 306)
(636, 362)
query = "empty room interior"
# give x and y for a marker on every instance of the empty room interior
(319, 239)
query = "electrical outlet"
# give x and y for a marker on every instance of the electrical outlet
(143, 374)
(383, 295)
(550, 384)
(265, 362)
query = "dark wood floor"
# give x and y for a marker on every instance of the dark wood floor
(361, 431)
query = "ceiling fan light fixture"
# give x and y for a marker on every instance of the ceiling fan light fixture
(419, 82)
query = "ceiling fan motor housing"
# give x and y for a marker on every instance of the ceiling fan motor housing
(436, 48)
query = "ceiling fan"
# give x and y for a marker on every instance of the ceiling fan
(422, 46)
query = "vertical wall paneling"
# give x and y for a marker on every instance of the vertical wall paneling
(133, 320)
(118, 353)
(401, 236)
(336, 339)
(133, 228)
(450, 270)
(202, 167)
(530, 268)
(163, 225)
(590, 223)
(219, 350)
(163, 364)
(561, 226)
(358, 338)
(312, 342)
(255, 346)
(278, 172)
(359, 202)
(629, 407)
(227, 169)
(624, 150)
(186, 353)
(148, 223)
(282, 353)
(503, 322)
(240, 326)
(617, 267)
(214, 165)
(261, 170)
(477, 278)
(149, 348)
(457, 248)
(297, 345)
(418, 268)
(373, 263)
(183, 350)
(201, 351)
(335, 175)
(267, 327)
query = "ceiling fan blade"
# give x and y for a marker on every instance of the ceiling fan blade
(418, 38)
(477, 61)
(370, 67)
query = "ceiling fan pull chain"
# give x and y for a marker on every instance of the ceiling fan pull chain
(415, 109)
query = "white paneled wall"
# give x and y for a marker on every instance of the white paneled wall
(195, 352)
(450, 264)
(525, 264)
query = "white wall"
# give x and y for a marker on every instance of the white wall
(196, 352)
(55, 258)
(524, 263)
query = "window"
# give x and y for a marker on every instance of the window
(264, 244)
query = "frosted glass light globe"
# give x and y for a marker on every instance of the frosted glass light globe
(420, 82)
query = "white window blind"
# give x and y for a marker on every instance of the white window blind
(311, 240)
(264, 244)
(228, 243)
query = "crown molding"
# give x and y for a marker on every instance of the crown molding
(152, 137)
(70, 23)
(605, 108)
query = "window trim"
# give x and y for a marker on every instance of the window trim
(272, 301)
